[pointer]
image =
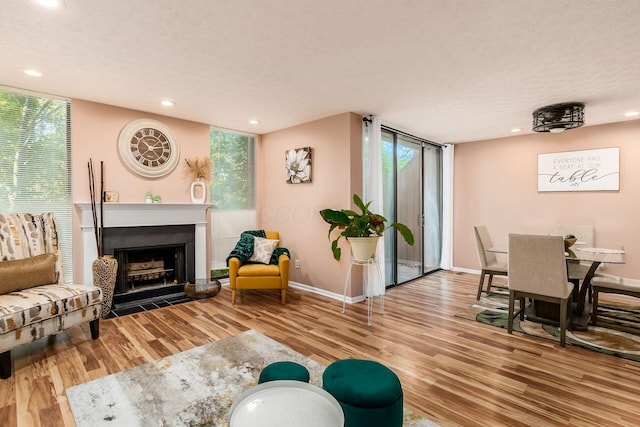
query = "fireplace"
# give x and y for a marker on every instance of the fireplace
(149, 267)
(151, 257)
(148, 216)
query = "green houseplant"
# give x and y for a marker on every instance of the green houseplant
(362, 224)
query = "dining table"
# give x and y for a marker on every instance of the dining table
(595, 257)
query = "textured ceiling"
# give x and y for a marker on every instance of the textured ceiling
(445, 70)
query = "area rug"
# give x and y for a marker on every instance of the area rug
(194, 388)
(617, 332)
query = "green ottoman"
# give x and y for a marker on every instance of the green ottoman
(284, 371)
(370, 393)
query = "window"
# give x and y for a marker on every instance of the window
(233, 199)
(35, 155)
(233, 183)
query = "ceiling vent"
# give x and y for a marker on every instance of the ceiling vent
(558, 117)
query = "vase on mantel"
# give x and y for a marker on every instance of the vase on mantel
(105, 271)
(198, 191)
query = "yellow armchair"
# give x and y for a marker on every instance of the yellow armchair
(259, 276)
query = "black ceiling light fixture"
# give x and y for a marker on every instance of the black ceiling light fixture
(558, 117)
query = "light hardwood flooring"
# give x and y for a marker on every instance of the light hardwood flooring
(453, 371)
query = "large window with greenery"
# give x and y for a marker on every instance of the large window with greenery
(233, 198)
(35, 155)
(233, 183)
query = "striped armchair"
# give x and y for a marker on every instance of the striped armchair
(35, 301)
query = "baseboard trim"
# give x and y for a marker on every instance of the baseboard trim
(324, 292)
(339, 297)
(465, 270)
(307, 288)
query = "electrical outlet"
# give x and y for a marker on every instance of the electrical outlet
(297, 263)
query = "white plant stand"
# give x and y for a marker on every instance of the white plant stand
(368, 293)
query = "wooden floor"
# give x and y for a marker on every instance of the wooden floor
(453, 371)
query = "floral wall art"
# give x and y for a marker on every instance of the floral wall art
(298, 164)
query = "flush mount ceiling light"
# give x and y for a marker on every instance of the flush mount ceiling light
(32, 72)
(558, 117)
(51, 4)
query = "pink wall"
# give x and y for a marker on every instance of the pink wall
(94, 134)
(292, 209)
(495, 184)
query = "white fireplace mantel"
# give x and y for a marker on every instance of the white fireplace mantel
(140, 215)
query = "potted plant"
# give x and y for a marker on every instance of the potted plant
(356, 226)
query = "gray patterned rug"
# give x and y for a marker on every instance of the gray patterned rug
(192, 388)
(617, 332)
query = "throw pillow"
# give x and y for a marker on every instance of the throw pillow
(20, 274)
(262, 250)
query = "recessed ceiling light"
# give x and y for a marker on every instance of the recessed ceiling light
(33, 73)
(168, 103)
(254, 122)
(50, 3)
(514, 130)
(632, 114)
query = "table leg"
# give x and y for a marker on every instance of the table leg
(584, 287)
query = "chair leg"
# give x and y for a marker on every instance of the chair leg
(594, 307)
(490, 281)
(512, 303)
(523, 302)
(5, 364)
(233, 296)
(94, 325)
(284, 296)
(480, 285)
(563, 321)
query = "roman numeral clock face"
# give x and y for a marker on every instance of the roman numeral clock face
(148, 148)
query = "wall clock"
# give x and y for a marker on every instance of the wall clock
(148, 148)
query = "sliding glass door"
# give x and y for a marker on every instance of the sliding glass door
(412, 185)
(432, 206)
(409, 206)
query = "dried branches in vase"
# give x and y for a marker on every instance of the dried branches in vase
(198, 168)
(97, 229)
(105, 267)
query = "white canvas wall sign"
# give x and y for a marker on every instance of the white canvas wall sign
(584, 170)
